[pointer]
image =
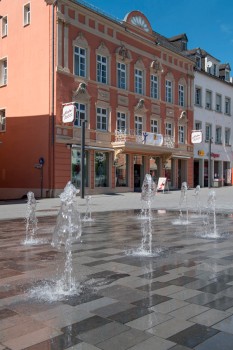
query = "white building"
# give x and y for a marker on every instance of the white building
(213, 114)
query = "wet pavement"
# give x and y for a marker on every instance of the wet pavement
(179, 298)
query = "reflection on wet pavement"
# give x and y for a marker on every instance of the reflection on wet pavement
(179, 298)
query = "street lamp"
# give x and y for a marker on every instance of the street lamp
(210, 165)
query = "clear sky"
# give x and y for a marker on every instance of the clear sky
(208, 24)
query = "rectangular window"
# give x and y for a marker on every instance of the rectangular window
(4, 26)
(80, 114)
(2, 120)
(138, 125)
(227, 136)
(208, 100)
(181, 134)
(198, 100)
(154, 91)
(218, 103)
(102, 119)
(169, 129)
(208, 132)
(121, 166)
(181, 95)
(138, 81)
(218, 136)
(79, 61)
(168, 91)
(26, 14)
(102, 69)
(198, 125)
(121, 75)
(121, 121)
(198, 62)
(154, 126)
(3, 72)
(227, 105)
(76, 168)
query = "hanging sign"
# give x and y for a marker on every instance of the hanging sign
(196, 136)
(68, 113)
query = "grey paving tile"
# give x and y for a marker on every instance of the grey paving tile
(124, 340)
(221, 341)
(188, 311)
(210, 317)
(225, 325)
(169, 306)
(153, 343)
(148, 321)
(170, 327)
(193, 335)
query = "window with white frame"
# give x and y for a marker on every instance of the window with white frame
(227, 105)
(121, 121)
(181, 134)
(154, 86)
(80, 61)
(208, 99)
(208, 132)
(169, 129)
(168, 91)
(218, 135)
(181, 95)
(198, 62)
(198, 125)
(154, 126)
(2, 120)
(138, 80)
(26, 14)
(227, 136)
(4, 26)
(80, 113)
(218, 103)
(227, 75)
(138, 125)
(3, 72)
(102, 69)
(102, 119)
(198, 94)
(121, 75)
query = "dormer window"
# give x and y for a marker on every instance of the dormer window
(227, 75)
(198, 62)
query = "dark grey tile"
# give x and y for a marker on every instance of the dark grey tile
(151, 301)
(202, 299)
(222, 303)
(181, 281)
(130, 314)
(85, 325)
(221, 341)
(193, 335)
(153, 286)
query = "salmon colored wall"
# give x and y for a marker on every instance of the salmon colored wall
(20, 151)
(28, 54)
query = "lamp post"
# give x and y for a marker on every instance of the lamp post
(82, 157)
(53, 3)
(210, 165)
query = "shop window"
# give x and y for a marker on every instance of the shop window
(76, 168)
(121, 164)
(101, 169)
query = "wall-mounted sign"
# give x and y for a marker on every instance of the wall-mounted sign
(196, 136)
(68, 113)
(201, 152)
(151, 138)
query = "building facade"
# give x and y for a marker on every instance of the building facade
(130, 87)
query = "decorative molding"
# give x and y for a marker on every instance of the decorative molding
(103, 95)
(140, 106)
(81, 93)
(123, 100)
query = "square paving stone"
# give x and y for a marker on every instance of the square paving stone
(193, 335)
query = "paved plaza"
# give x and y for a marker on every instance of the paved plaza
(179, 297)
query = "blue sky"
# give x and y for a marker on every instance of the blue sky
(208, 24)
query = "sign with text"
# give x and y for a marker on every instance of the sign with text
(161, 183)
(68, 113)
(196, 136)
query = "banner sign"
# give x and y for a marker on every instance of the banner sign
(196, 136)
(68, 113)
(151, 138)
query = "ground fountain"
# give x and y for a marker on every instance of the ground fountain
(87, 217)
(183, 205)
(31, 220)
(210, 226)
(67, 232)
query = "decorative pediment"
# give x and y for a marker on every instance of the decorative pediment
(140, 106)
(123, 53)
(102, 49)
(81, 93)
(80, 40)
(139, 63)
